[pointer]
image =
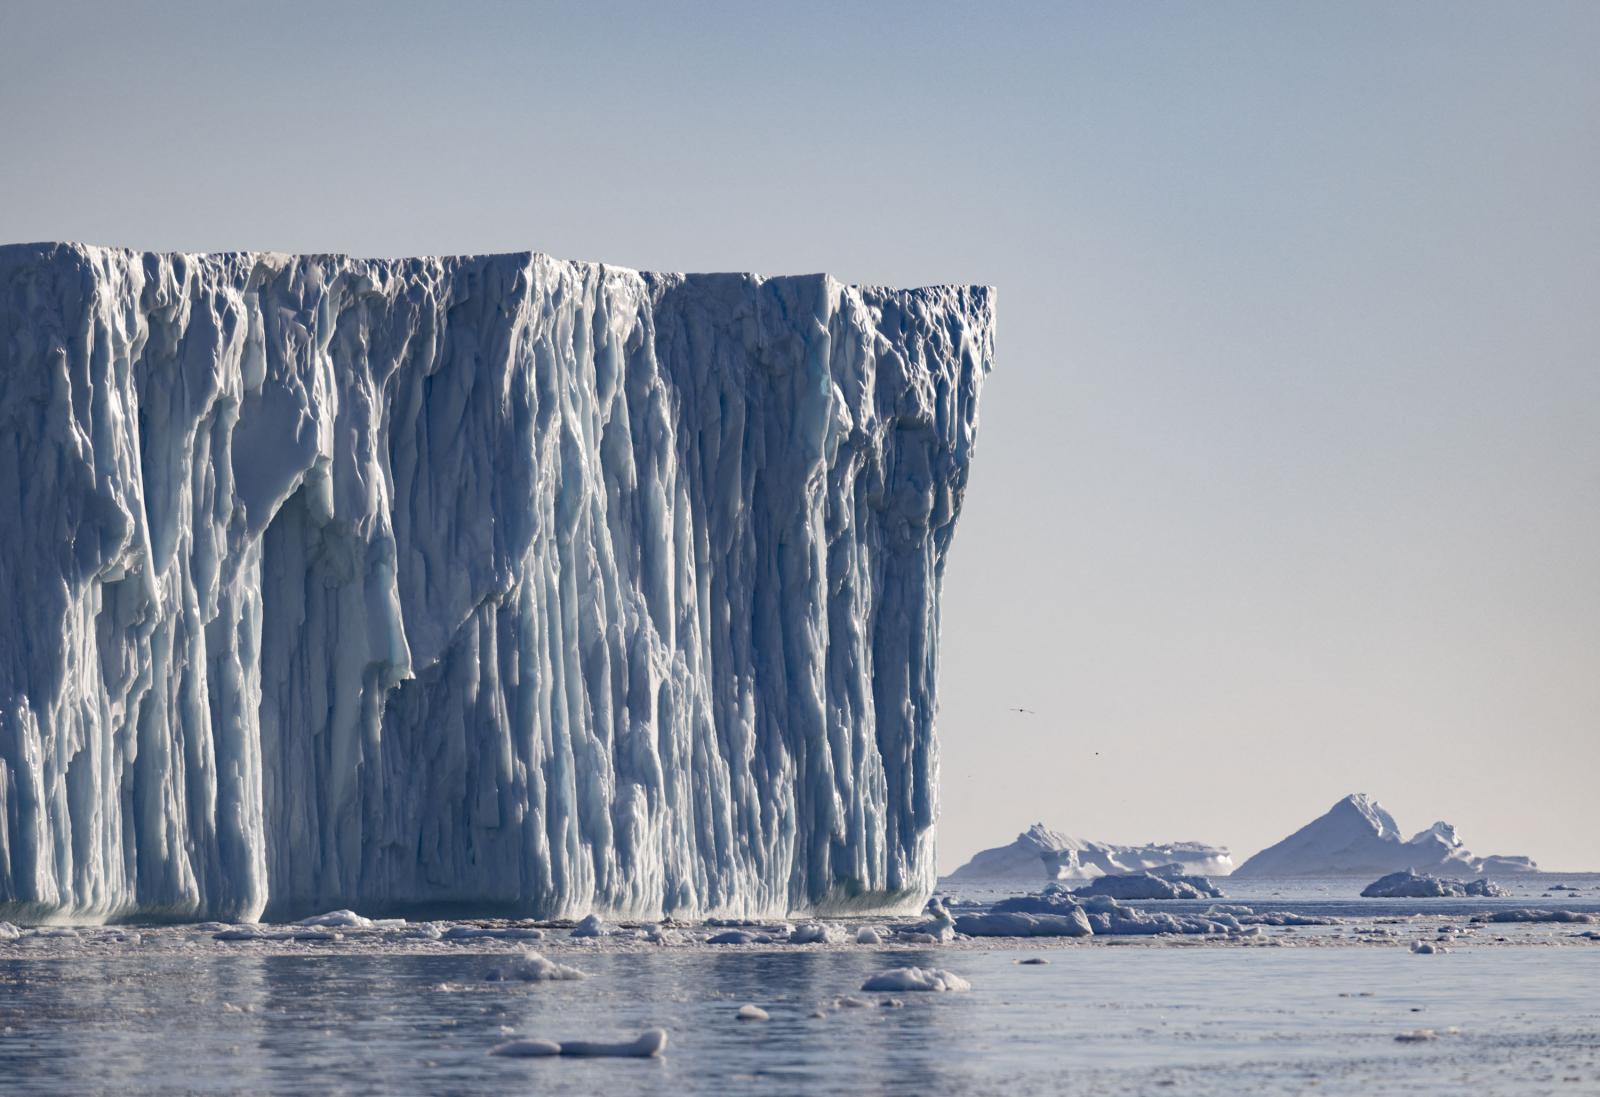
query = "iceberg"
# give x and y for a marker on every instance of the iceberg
(1041, 854)
(1358, 837)
(495, 583)
(1410, 885)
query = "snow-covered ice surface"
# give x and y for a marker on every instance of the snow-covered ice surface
(379, 1009)
(486, 582)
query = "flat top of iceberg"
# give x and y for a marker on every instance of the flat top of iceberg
(275, 258)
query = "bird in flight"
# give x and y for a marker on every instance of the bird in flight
(1029, 711)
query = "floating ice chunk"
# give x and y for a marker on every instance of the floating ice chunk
(750, 1012)
(1147, 885)
(314, 935)
(813, 933)
(591, 926)
(916, 978)
(1411, 885)
(1530, 915)
(499, 933)
(732, 937)
(866, 935)
(526, 1049)
(238, 933)
(1075, 924)
(9, 932)
(531, 967)
(650, 1043)
(1427, 948)
(343, 919)
(850, 1001)
(1417, 1036)
(422, 931)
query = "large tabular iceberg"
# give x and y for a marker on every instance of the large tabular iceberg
(502, 582)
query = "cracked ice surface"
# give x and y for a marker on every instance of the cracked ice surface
(505, 582)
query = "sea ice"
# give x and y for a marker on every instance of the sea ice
(916, 978)
(531, 967)
(649, 1044)
(750, 1012)
(1022, 924)
(591, 926)
(1146, 885)
(1410, 885)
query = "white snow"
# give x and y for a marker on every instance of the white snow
(548, 587)
(916, 978)
(867, 935)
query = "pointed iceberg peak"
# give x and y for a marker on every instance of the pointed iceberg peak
(1357, 836)
(1440, 832)
(1370, 810)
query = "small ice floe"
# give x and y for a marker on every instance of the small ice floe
(531, 967)
(891, 1003)
(850, 1001)
(421, 931)
(1021, 924)
(650, 1044)
(337, 919)
(60, 933)
(1530, 915)
(1150, 885)
(1427, 948)
(591, 926)
(732, 937)
(315, 935)
(1412, 885)
(496, 933)
(9, 932)
(916, 978)
(1417, 1036)
(813, 933)
(866, 935)
(238, 933)
(1033, 961)
(751, 1012)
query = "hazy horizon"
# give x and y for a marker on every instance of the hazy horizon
(1288, 476)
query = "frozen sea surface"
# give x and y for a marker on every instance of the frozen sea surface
(160, 1010)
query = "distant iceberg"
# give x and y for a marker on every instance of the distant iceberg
(1041, 855)
(1358, 837)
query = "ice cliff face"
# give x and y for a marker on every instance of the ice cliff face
(500, 582)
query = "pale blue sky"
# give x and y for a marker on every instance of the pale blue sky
(1288, 482)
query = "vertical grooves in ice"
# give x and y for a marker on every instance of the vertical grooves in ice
(501, 582)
